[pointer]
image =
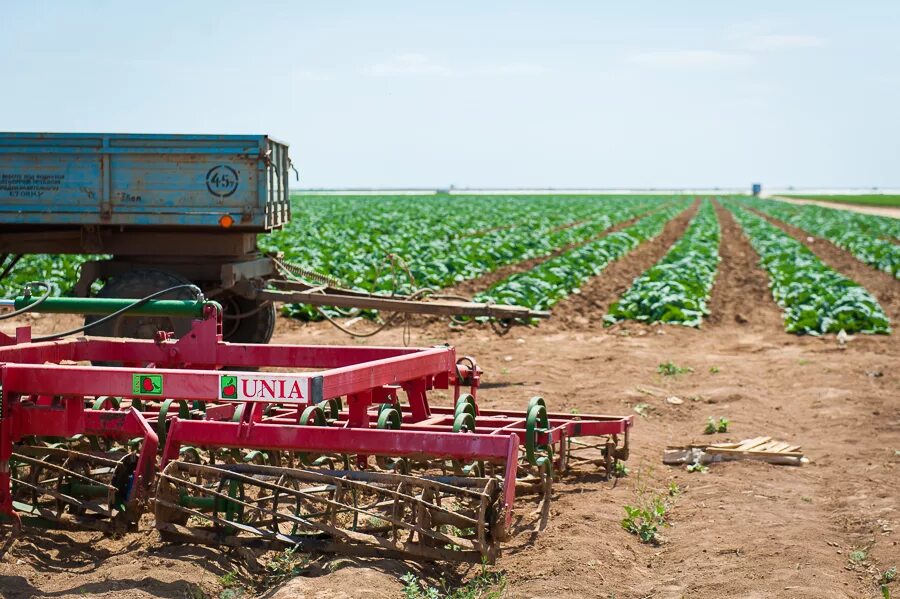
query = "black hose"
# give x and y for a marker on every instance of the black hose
(140, 302)
(48, 289)
(12, 263)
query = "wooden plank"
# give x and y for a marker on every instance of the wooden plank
(725, 445)
(745, 445)
(776, 458)
(715, 450)
(779, 446)
(767, 446)
(373, 302)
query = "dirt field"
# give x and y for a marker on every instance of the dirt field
(877, 210)
(739, 530)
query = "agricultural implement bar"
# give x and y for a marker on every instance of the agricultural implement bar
(325, 448)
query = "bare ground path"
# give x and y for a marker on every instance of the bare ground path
(876, 210)
(740, 294)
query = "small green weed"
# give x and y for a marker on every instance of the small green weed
(195, 592)
(858, 556)
(642, 409)
(229, 579)
(716, 426)
(697, 467)
(650, 512)
(620, 470)
(887, 577)
(645, 521)
(413, 588)
(670, 369)
(287, 564)
(232, 586)
(486, 585)
(714, 370)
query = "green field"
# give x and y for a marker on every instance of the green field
(876, 199)
(406, 244)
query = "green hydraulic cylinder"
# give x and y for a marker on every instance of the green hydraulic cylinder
(104, 305)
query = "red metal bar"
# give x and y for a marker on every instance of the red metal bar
(54, 379)
(44, 398)
(366, 441)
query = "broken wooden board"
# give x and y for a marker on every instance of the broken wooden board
(763, 449)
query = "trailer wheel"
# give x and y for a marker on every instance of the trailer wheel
(136, 284)
(246, 320)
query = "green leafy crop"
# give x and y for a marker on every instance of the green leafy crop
(815, 298)
(59, 270)
(441, 239)
(872, 239)
(676, 289)
(549, 282)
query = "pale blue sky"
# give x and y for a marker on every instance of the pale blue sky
(476, 93)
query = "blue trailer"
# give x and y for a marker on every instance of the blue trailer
(144, 181)
(171, 210)
(167, 209)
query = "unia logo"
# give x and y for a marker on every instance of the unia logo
(263, 387)
(228, 387)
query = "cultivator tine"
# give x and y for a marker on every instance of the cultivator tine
(355, 512)
(343, 454)
(604, 452)
(73, 488)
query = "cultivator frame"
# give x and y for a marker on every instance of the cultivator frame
(318, 452)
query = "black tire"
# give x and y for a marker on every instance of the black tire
(258, 324)
(137, 284)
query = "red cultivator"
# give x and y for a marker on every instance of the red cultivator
(323, 448)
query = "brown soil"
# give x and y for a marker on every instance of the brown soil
(740, 530)
(882, 285)
(741, 293)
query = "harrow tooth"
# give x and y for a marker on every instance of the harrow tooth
(447, 518)
(338, 450)
(74, 488)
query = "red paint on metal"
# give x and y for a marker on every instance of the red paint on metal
(42, 397)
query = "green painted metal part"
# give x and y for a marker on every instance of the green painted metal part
(107, 305)
(162, 418)
(83, 490)
(537, 421)
(217, 503)
(388, 417)
(313, 415)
